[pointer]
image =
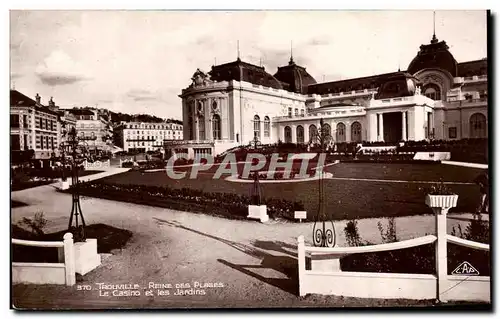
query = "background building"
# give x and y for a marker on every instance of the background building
(143, 137)
(93, 127)
(33, 126)
(436, 98)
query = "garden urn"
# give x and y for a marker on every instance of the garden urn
(441, 201)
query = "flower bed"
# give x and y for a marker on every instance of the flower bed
(227, 205)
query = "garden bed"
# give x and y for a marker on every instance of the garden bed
(232, 206)
(108, 239)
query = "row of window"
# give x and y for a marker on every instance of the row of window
(154, 126)
(296, 112)
(40, 123)
(154, 133)
(216, 127)
(256, 126)
(326, 131)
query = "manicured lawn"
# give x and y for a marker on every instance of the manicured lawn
(344, 198)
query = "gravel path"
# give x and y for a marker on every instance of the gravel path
(256, 263)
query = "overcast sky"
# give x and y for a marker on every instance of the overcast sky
(138, 61)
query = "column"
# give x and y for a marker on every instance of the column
(404, 137)
(281, 132)
(306, 133)
(294, 133)
(348, 132)
(196, 131)
(380, 136)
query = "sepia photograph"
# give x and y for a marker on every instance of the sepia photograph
(212, 159)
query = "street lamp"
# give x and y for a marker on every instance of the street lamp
(256, 190)
(323, 230)
(79, 153)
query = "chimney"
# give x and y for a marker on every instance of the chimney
(52, 105)
(38, 98)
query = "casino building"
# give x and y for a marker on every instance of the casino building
(435, 98)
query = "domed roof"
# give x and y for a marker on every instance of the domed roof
(399, 85)
(242, 71)
(434, 55)
(295, 76)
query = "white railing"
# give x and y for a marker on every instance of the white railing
(326, 277)
(60, 273)
(96, 164)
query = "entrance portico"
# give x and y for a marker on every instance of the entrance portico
(400, 119)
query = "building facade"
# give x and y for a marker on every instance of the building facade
(144, 137)
(435, 98)
(93, 128)
(33, 126)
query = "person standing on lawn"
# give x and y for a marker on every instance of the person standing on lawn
(483, 182)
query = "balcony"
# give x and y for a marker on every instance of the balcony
(470, 79)
(469, 102)
(317, 115)
(351, 93)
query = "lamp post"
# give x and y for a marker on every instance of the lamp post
(323, 229)
(256, 190)
(78, 151)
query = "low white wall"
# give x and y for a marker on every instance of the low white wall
(468, 288)
(39, 273)
(432, 156)
(369, 285)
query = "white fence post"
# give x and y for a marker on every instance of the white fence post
(69, 259)
(441, 251)
(301, 250)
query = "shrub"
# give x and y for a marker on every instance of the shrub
(351, 232)
(36, 224)
(388, 235)
(477, 230)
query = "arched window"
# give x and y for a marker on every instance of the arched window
(432, 91)
(478, 126)
(288, 134)
(267, 126)
(326, 131)
(300, 134)
(256, 126)
(340, 134)
(216, 127)
(313, 133)
(356, 132)
(201, 128)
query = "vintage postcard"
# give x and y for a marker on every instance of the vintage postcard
(249, 159)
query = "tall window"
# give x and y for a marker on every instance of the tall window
(313, 132)
(288, 134)
(289, 112)
(267, 126)
(296, 112)
(356, 132)
(26, 146)
(25, 120)
(256, 126)
(478, 126)
(326, 130)
(340, 136)
(300, 134)
(14, 142)
(432, 91)
(216, 126)
(14, 120)
(201, 128)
